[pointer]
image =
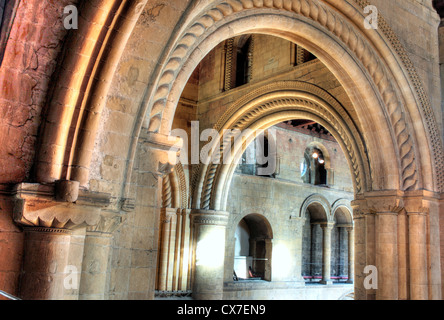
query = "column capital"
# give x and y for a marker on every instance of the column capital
(209, 217)
(380, 202)
(420, 201)
(327, 225)
(36, 205)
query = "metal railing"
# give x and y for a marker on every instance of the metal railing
(8, 296)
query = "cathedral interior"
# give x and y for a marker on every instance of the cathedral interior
(221, 150)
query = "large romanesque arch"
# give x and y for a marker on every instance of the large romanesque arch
(400, 185)
(372, 65)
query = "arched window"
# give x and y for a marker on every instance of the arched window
(340, 243)
(312, 249)
(314, 166)
(243, 61)
(238, 61)
(252, 252)
(339, 249)
(302, 55)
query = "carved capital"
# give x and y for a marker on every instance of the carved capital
(35, 205)
(385, 202)
(327, 225)
(168, 213)
(419, 202)
(209, 217)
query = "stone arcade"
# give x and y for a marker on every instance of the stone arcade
(352, 119)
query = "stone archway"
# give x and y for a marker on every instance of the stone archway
(273, 104)
(369, 80)
(360, 51)
(372, 66)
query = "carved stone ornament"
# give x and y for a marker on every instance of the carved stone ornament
(35, 205)
(209, 217)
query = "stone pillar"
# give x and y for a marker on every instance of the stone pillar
(209, 228)
(387, 255)
(168, 228)
(360, 260)
(326, 252)
(268, 256)
(44, 263)
(385, 206)
(96, 258)
(351, 254)
(418, 255)
(418, 214)
(313, 259)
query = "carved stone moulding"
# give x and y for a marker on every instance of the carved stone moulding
(37, 206)
(209, 217)
(395, 202)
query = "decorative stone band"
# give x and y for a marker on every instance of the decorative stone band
(48, 230)
(327, 225)
(209, 217)
(35, 205)
(394, 202)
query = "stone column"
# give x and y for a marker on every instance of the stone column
(417, 215)
(268, 256)
(326, 252)
(418, 255)
(209, 228)
(360, 260)
(387, 255)
(313, 259)
(351, 254)
(385, 207)
(423, 212)
(168, 228)
(44, 263)
(96, 258)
